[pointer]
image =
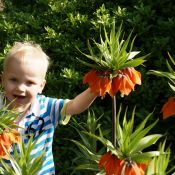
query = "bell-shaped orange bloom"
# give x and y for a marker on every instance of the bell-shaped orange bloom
(111, 164)
(5, 143)
(101, 83)
(114, 166)
(125, 81)
(135, 169)
(168, 108)
(7, 138)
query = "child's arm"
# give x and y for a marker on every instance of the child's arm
(80, 103)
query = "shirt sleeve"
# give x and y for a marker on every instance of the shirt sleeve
(64, 118)
(56, 109)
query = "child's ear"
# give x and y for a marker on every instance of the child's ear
(42, 85)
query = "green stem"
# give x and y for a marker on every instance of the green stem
(114, 121)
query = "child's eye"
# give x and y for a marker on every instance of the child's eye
(29, 83)
(13, 80)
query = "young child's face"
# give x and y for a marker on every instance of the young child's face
(22, 82)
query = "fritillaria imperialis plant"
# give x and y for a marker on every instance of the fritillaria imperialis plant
(112, 71)
(8, 133)
(22, 163)
(113, 67)
(11, 141)
(168, 108)
(129, 158)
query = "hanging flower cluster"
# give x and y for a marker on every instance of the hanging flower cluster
(7, 138)
(113, 67)
(123, 82)
(114, 166)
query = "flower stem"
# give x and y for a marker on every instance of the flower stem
(114, 120)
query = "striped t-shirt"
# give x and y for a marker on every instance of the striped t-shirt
(41, 120)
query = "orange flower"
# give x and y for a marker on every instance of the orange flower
(133, 74)
(168, 108)
(99, 82)
(114, 166)
(135, 169)
(124, 82)
(111, 164)
(5, 143)
(6, 140)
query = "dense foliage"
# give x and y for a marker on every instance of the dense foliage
(60, 25)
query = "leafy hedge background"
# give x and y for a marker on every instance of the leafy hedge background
(60, 25)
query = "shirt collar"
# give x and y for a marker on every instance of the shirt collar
(35, 108)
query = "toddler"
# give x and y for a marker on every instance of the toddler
(23, 79)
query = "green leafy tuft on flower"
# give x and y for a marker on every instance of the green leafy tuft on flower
(131, 143)
(114, 54)
(128, 156)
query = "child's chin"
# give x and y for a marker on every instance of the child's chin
(21, 106)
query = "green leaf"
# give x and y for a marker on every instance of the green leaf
(172, 86)
(145, 142)
(141, 126)
(139, 136)
(96, 67)
(134, 63)
(144, 157)
(171, 58)
(89, 166)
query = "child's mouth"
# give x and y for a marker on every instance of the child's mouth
(19, 97)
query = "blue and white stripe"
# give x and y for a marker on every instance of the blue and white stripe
(43, 117)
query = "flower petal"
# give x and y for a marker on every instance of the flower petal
(126, 85)
(111, 164)
(104, 159)
(6, 140)
(116, 83)
(5, 143)
(168, 108)
(134, 75)
(99, 82)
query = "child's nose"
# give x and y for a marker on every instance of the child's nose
(21, 87)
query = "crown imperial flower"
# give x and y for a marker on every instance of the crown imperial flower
(113, 68)
(124, 81)
(7, 138)
(114, 166)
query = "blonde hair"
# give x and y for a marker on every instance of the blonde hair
(27, 52)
